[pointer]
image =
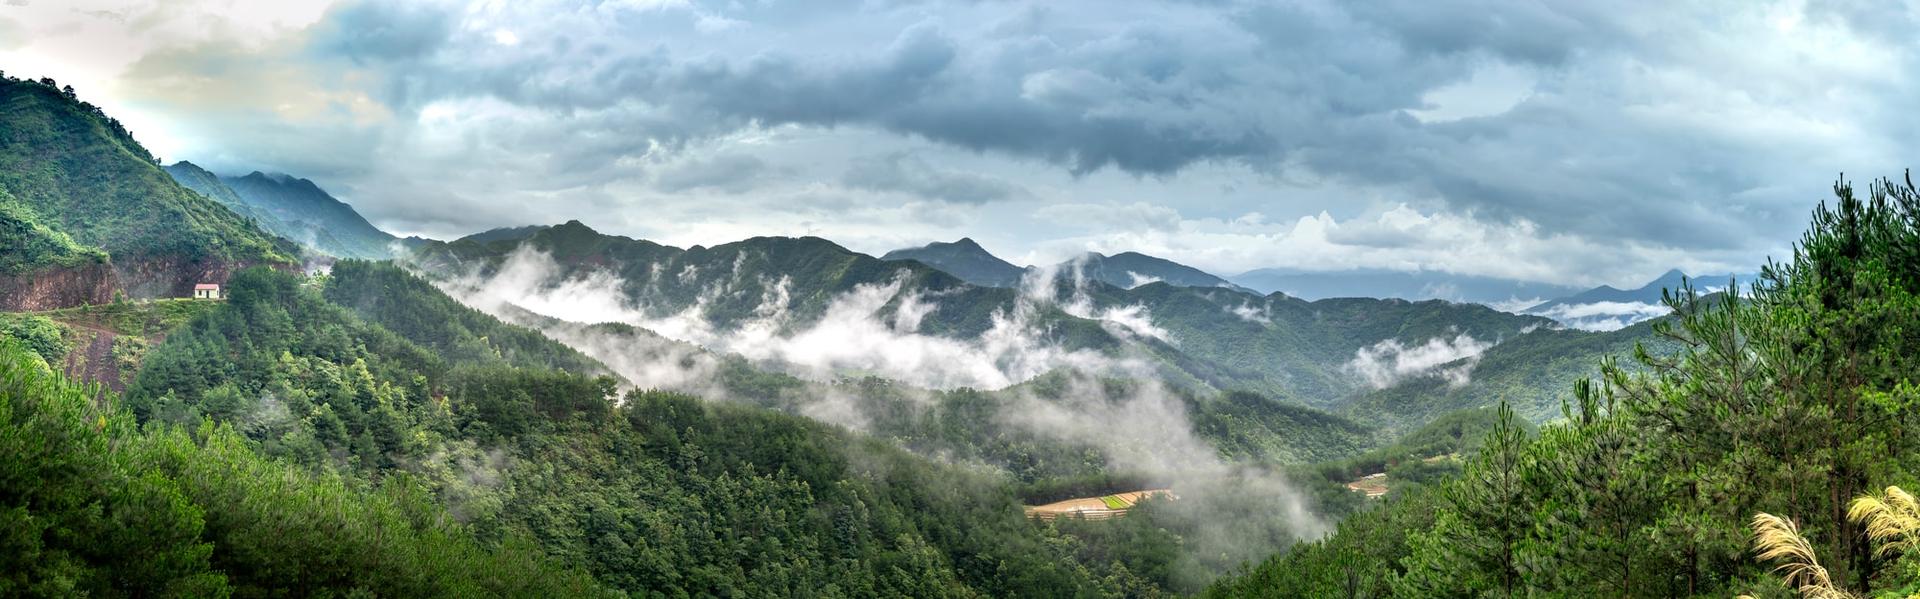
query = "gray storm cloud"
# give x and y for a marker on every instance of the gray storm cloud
(1615, 124)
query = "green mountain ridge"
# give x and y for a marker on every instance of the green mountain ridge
(313, 216)
(1222, 338)
(965, 259)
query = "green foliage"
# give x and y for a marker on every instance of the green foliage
(37, 334)
(141, 319)
(659, 494)
(389, 296)
(1530, 372)
(30, 245)
(93, 505)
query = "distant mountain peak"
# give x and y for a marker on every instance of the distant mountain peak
(963, 258)
(311, 215)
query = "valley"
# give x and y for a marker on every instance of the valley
(411, 311)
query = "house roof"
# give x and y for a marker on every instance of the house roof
(206, 286)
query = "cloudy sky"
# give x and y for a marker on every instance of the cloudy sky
(1572, 142)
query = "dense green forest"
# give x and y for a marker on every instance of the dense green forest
(95, 504)
(650, 493)
(1766, 424)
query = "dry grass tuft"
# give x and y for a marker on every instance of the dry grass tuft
(1892, 520)
(1778, 539)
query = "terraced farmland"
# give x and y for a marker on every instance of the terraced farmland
(1096, 508)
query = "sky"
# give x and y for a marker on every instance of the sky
(1575, 143)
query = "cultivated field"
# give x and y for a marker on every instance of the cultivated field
(1096, 508)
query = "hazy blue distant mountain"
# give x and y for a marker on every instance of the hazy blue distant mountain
(193, 177)
(964, 259)
(1492, 291)
(1606, 308)
(316, 218)
(1127, 270)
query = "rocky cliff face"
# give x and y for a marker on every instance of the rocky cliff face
(57, 288)
(163, 278)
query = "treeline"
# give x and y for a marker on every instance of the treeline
(1793, 402)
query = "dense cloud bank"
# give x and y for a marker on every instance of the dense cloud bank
(1209, 132)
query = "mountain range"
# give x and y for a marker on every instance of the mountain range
(1418, 285)
(1126, 270)
(292, 208)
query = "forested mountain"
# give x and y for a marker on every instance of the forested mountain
(1761, 453)
(68, 169)
(1207, 338)
(311, 215)
(97, 504)
(1532, 373)
(964, 259)
(191, 176)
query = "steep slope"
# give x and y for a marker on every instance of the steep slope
(1127, 270)
(71, 169)
(312, 216)
(964, 259)
(41, 268)
(1420, 285)
(191, 176)
(503, 234)
(1311, 352)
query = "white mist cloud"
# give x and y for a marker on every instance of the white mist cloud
(1388, 362)
(1145, 428)
(1039, 285)
(1137, 279)
(1248, 312)
(872, 329)
(1604, 316)
(1141, 427)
